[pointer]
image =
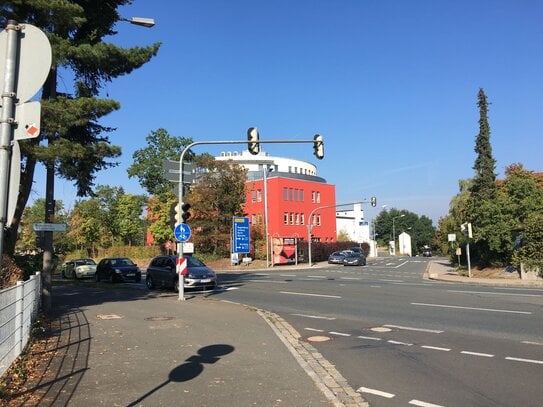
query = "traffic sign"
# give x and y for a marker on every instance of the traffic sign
(241, 234)
(49, 227)
(181, 265)
(182, 232)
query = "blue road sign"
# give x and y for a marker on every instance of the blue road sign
(182, 232)
(241, 234)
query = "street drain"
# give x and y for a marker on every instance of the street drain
(108, 316)
(318, 338)
(381, 329)
(158, 318)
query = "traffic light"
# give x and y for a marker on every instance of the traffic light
(175, 214)
(253, 145)
(185, 212)
(373, 201)
(318, 146)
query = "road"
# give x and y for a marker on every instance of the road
(402, 340)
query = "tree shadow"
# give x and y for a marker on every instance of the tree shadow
(192, 368)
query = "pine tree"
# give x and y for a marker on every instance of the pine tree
(484, 182)
(71, 137)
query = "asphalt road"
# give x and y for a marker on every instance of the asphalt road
(401, 340)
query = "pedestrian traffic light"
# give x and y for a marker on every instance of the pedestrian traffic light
(185, 212)
(252, 137)
(373, 201)
(318, 146)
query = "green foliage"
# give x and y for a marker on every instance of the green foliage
(71, 136)
(148, 162)
(158, 217)
(530, 252)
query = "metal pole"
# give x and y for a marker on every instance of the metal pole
(265, 180)
(309, 240)
(469, 261)
(6, 123)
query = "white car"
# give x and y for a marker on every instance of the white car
(79, 268)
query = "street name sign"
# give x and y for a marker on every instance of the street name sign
(49, 227)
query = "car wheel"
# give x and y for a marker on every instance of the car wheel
(176, 285)
(149, 282)
(74, 276)
(112, 278)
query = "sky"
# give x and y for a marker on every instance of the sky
(390, 85)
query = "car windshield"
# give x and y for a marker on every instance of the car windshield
(85, 262)
(194, 262)
(125, 262)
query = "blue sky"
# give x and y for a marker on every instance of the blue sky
(390, 85)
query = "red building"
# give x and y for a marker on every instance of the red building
(294, 194)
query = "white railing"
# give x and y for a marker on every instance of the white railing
(18, 310)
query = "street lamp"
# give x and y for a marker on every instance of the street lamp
(144, 22)
(394, 231)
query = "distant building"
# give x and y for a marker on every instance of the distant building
(352, 223)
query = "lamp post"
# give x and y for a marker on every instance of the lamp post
(394, 231)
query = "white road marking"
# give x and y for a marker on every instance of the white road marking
(539, 362)
(314, 317)
(261, 274)
(316, 277)
(231, 288)
(401, 264)
(391, 281)
(399, 343)
(532, 343)
(375, 392)
(435, 348)
(484, 355)
(471, 308)
(410, 283)
(350, 278)
(309, 295)
(423, 404)
(410, 328)
(287, 275)
(267, 281)
(338, 333)
(375, 286)
(371, 338)
(314, 330)
(491, 293)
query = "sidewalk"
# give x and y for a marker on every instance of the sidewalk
(443, 270)
(128, 347)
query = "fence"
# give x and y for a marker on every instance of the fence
(18, 309)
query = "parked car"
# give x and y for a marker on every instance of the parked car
(161, 272)
(79, 268)
(336, 257)
(354, 259)
(116, 269)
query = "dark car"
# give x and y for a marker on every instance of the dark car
(354, 259)
(116, 269)
(161, 272)
(336, 257)
(427, 253)
(79, 268)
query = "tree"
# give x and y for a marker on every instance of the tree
(130, 224)
(72, 141)
(218, 195)
(148, 161)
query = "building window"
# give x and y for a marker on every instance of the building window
(318, 220)
(253, 196)
(302, 219)
(290, 194)
(259, 195)
(301, 195)
(285, 218)
(295, 194)
(259, 219)
(253, 219)
(292, 218)
(318, 197)
(297, 218)
(313, 196)
(285, 194)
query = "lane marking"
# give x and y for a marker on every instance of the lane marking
(409, 328)
(370, 338)
(399, 343)
(375, 392)
(338, 333)
(350, 278)
(261, 274)
(410, 283)
(471, 308)
(287, 275)
(314, 330)
(267, 281)
(401, 264)
(309, 295)
(314, 317)
(484, 355)
(391, 281)
(491, 293)
(532, 343)
(316, 276)
(539, 362)
(423, 404)
(435, 348)
(375, 286)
